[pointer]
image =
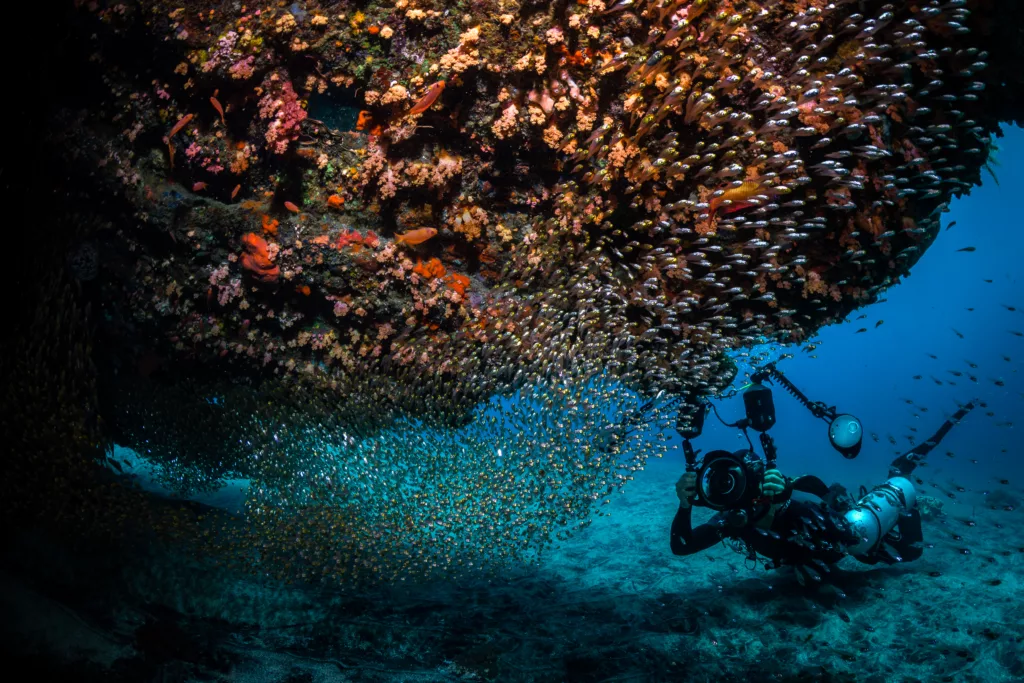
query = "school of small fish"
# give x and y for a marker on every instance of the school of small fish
(575, 208)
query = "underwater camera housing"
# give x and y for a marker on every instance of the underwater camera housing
(729, 481)
(732, 480)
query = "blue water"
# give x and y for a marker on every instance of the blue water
(869, 374)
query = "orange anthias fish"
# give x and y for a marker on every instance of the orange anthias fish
(433, 92)
(291, 207)
(737, 195)
(216, 105)
(414, 237)
(182, 122)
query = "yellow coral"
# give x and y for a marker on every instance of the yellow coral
(395, 93)
(586, 115)
(458, 60)
(552, 136)
(469, 221)
(285, 24)
(506, 123)
(537, 115)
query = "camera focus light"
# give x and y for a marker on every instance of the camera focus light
(846, 433)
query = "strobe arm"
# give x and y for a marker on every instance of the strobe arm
(817, 408)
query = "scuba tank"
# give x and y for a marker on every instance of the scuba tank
(886, 515)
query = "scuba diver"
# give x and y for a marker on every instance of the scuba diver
(798, 522)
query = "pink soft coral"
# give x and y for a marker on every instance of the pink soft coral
(281, 105)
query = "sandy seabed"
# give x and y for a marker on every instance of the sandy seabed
(612, 604)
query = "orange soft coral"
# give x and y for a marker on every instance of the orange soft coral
(363, 120)
(348, 237)
(270, 224)
(256, 258)
(459, 283)
(429, 270)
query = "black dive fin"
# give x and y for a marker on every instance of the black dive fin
(880, 554)
(904, 465)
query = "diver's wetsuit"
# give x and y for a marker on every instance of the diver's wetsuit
(804, 531)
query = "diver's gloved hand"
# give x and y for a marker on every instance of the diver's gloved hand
(773, 483)
(686, 488)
